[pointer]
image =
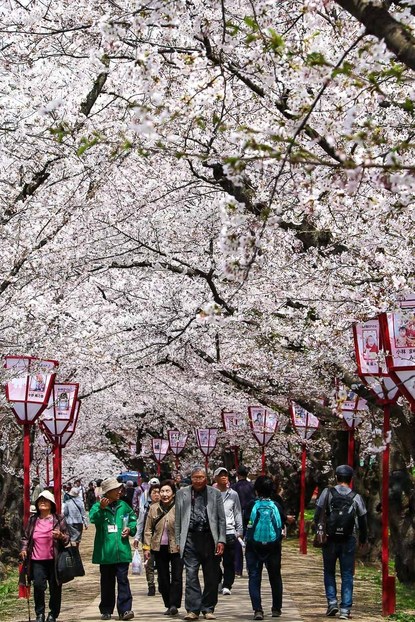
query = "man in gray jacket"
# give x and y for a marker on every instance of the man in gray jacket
(201, 535)
(234, 528)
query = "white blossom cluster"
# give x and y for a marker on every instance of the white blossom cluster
(198, 200)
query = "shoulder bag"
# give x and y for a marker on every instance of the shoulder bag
(69, 564)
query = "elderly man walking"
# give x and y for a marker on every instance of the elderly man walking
(234, 528)
(201, 534)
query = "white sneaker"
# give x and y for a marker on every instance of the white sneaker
(226, 591)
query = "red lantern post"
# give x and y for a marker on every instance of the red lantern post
(160, 448)
(28, 392)
(371, 338)
(206, 439)
(177, 442)
(264, 424)
(233, 423)
(66, 436)
(56, 419)
(351, 408)
(305, 424)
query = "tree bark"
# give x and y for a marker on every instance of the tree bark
(380, 23)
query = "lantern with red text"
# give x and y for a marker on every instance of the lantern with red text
(66, 436)
(177, 442)
(28, 389)
(351, 408)
(160, 447)
(264, 424)
(305, 424)
(397, 339)
(30, 386)
(56, 419)
(371, 364)
(206, 439)
(61, 409)
(234, 423)
(398, 334)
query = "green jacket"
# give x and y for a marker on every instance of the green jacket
(109, 547)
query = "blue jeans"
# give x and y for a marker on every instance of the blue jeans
(109, 574)
(344, 552)
(255, 560)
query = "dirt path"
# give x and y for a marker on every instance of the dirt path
(303, 579)
(304, 599)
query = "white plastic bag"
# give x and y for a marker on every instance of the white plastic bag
(137, 563)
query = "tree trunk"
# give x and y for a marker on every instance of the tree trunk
(11, 497)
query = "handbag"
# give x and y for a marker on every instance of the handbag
(69, 564)
(320, 537)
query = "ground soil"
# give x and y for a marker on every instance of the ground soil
(303, 579)
(302, 576)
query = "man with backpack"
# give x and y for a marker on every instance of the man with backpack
(341, 508)
(264, 520)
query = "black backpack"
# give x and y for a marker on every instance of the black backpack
(342, 515)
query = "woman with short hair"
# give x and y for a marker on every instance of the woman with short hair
(159, 539)
(45, 535)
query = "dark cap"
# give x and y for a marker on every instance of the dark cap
(242, 470)
(344, 470)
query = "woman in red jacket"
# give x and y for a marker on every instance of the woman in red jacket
(45, 535)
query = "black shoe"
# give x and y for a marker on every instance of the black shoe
(276, 613)
(40, 617)
(332, 610)
(258, 615)
(151, 590)
(173, 611)
(106, 616)
(51, 618)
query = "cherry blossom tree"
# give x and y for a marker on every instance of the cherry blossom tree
(198, 199)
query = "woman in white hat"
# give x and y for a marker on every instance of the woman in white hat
(45, 534)
(75, 515)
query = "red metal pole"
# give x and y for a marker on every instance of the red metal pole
(350, 453)
(263, 461)
(47, 470)
(158, 468)
(303, 535)
(388, 582)
(26, 473)
(57, 476)
(206, 464)
(235, 449)
(177, 462)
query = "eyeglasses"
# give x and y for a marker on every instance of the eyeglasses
(198, 477)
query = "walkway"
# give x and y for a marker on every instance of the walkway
(303, 594)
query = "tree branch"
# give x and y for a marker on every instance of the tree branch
(378, 22)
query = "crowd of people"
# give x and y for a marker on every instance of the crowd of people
(188, 528)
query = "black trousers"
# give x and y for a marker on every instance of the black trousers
(169, 575)
(110, 573)
(200, 551)
(43, 573)
(229, 562)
